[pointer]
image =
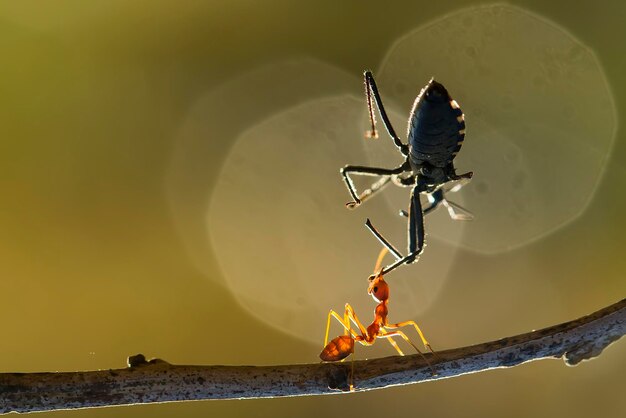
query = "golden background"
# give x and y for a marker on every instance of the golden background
(100, 262)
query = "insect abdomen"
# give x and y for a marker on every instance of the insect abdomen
(436, 132)
(338, 349)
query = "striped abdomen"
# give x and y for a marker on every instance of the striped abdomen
(436, 127)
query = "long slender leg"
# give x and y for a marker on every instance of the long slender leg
(415, 234)
(457, 212)
(404, 181)
(399, 259)
(459, 183)
(417, 328)
(372, 89)
(391, 341)
(376, 187)
(366, 171)
(383, 241)
(416, 226)
(403, 335)
(352, 315)
(345, 325)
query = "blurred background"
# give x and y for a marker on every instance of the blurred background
(170, 171)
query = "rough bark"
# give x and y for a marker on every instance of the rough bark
(158, 381)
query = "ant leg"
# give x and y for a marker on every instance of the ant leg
(372, 89)
(366, 171)
(417, 328)
(403, 335)
(391, 341)
(345, 325)
(351, 383)
(352, 315)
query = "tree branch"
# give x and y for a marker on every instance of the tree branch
(158, 381)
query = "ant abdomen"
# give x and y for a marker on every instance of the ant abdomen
(338, 348)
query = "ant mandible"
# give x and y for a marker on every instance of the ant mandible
(435, 134)
(341, 347)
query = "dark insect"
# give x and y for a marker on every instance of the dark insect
(435, 134)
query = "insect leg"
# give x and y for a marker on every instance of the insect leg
(372, 89)
(399, 259)
(349, 313)
(345, 325)
(365, 171)
(417, 328)
(457, 212)
(403, 181)
(465, 176)
(391, 341)
(416, 226)
(383, 241)
(403, 335)
(376, 187)
(459, 183)
(434, 198)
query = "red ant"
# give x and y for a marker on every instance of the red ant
(342, 346)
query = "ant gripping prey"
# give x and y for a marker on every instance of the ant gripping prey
(436, 132)
(341, 347)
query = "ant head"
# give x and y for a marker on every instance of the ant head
(436, 92)
(378, 288)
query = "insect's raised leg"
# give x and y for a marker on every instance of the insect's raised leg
(372, 90)
(346, 326)
(365, 171)
(416, 234)
(383, 241)
(349, 313)
(403, 335)
(399, 259)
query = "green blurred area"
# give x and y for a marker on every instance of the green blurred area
(92, 96)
